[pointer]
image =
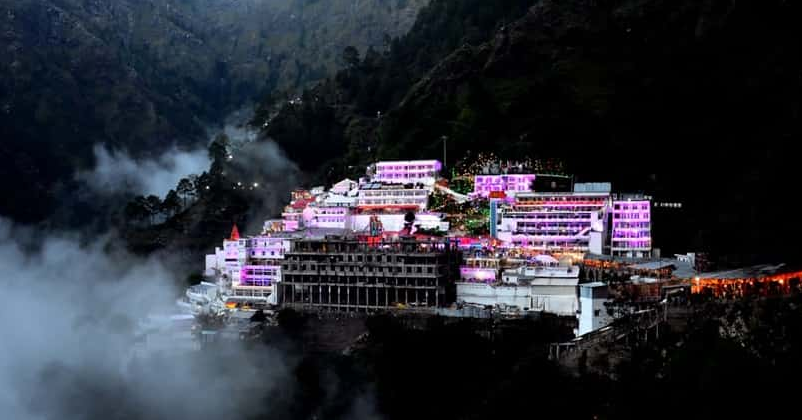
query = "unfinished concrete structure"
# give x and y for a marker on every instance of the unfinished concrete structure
(368, 274)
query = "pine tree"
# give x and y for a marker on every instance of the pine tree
(172, 203)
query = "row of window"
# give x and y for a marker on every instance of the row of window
(409, 175)
(370, 269)
(393, 193)
(558, 216)
(633, 206)
(381, 168)
(630, 216)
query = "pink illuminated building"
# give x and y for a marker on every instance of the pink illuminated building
(631, 230)
(510, 184)
(250, 267)
(553, 221)
(403, 172)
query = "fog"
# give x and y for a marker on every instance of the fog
(118, 172)
(69, 319)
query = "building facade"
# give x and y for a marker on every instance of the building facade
(349, 274)
(592, 312)
(249, 267)
(632, 228)
(379, 195)
(403, 172)
(510, 184)
(553, 221)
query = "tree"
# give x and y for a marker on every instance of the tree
(202, 184)
(351, 56)
(409, 220)
(184, 189)
(172, 203)
(218, 150)
(153, 206)
(135, 209)
(218, 153)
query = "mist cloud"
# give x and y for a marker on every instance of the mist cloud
(117, 171)
(69, 322)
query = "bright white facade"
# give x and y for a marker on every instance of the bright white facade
(343, 187)
(394, 222)
(536, 288)
(382, 195)
(327, 217)
(250, 267)
(403, 172)
(592, 310)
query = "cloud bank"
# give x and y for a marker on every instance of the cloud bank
(69, 321)
(117, 171)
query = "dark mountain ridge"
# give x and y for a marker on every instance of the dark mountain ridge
(690, 101)
(142, 76)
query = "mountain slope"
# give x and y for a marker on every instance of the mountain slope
(690, 101)
(338, 117)
(144, 75)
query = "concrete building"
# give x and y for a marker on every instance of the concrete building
(378, 195)
(631, 228)
(350, 274)
(553, 221)
(404, 172)
(344, 187)
(589, 219)
(551, 289)
(317, 216)
(592, 312)
(510, 184)
(249, 267)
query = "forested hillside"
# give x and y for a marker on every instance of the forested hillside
(665, 97)
(142, 76)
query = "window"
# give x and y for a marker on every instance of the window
(597, 312)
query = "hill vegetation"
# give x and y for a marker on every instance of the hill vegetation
(690, 101)
(143, 76)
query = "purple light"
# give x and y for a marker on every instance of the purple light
(485, 275)
(484, 184)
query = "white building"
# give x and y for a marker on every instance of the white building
(336, 217)
(378, 195)
(343, 187)
(551, 289)
(403, 172)
(340, 200)
(249, 267)
(592, 312)
(394, 222)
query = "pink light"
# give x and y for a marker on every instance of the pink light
(478, 273)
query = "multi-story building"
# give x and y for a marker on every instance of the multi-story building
(510, 184)
(378, 195)
(553, 221)
(631, 228)
(249, 267)
(539, 288)
(326, 217)
(403, 172)
(350, 274)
